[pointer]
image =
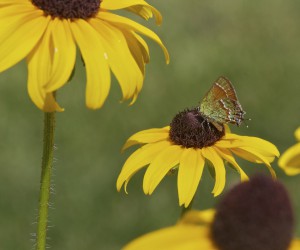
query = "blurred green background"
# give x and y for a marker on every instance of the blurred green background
(256, 44)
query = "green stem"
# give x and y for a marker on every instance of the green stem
(186, 209)
(48, 148)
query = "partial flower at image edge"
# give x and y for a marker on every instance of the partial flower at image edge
(213, 229)
(289, 161)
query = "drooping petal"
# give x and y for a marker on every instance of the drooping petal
(143, 47)
(189, 174)
(38, 76)
(139, 7)
(119, 56)
(236, 141)
(147, 136)
(16, 45)
(121, 4)
(160, 166)
(179, 237)
(252, 155)
(290, 160)
(144, 13)
(140, 158)
(131, 25)
(95, 59)
(140, 52)
(64, 55)
(138, 48)
(210, 154)
(227, 155)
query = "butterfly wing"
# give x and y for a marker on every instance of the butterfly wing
(221, 105)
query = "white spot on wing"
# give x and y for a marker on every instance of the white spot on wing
(105, 56)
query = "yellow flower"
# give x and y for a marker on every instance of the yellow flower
(192, 232)
(188, 143)
(233, 225)
(290, 159)
(46, 33)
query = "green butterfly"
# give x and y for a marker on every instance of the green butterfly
(220, 105)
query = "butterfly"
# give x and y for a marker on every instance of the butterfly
(220, 105)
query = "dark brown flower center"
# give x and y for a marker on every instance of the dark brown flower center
(191, 130)
(69, 8)
(254, 215)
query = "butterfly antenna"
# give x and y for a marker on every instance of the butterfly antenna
(247, 119)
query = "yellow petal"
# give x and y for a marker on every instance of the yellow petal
(147, 136)
(198, 217)
(119, 57)
(10, 2)
(160, 166)
(29, 31)
(297, 134)
(13, 13)
(50, 104)
(131, 25)
(139, 7)
(236, 141)
(38, 76)
(290, 160)
(140, 52)
(252, 155)
(295, 245)
(139, 159)
(210, 154)
(143, 47)
(64, 54)
(134, 98)
(226, 154)
(187, 237)
(95, 59)
(147, 12)
(189, 175)
(121, 4)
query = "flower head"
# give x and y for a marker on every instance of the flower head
(290, 159)
(256, 214)
(46, 33)
(187, 144)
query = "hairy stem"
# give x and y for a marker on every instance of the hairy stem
(48, 148)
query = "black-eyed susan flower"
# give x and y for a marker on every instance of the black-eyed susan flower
(46, 33)
(188, 144)
(256, 214)
(289, 161)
